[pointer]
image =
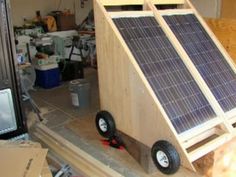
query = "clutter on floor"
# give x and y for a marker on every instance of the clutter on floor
(55, 55)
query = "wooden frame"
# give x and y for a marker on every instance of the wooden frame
(80, 160)
(189, 64)
(138, 2)
(127, 95)
(117, 89)
(230, 116)
(201, 83)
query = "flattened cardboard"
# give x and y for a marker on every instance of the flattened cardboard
(22, 162)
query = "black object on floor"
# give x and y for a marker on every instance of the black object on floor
(71, 70)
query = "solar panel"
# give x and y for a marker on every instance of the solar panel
(169, 78)
(207, 58)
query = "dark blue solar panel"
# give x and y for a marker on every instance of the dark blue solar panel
(172, 83)
(205, 55)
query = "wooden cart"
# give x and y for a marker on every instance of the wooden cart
(129, 103)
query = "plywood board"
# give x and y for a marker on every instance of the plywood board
(138, 2)
(228, 9)
(225, 31)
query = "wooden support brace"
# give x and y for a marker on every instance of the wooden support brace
(78, 159)
(140, 152)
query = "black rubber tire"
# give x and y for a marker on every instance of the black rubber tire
(171, 154)
(111, 127)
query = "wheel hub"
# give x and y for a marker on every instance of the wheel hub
(102, 125)
(162, 159)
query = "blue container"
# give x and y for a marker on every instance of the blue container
(48, 78)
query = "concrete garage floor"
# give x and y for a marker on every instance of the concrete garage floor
(59, 114)
(78, 126)
(56, 104)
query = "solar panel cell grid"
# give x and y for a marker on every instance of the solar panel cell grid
(205, 55)
(172, 83)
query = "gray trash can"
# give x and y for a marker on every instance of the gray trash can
(80, 93)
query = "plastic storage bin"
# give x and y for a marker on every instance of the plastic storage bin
(80, 93)
(47, 76)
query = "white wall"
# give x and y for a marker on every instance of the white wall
(26, 8)
(208, 8)
(74, 6)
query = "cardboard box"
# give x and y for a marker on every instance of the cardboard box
(23, 159)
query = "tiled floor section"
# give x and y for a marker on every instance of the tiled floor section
(58, 112)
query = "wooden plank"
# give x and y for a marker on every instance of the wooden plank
(76, 163)
(231, 114)
(199, 138)
(175, 11)
(140, 152)
(208, 147)
(138, 2)
(78, 159)
(126, 93)
(228, 9)
(161, 2)
(121, 2)
(202, 128)
(225, 31)
(130, 14)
